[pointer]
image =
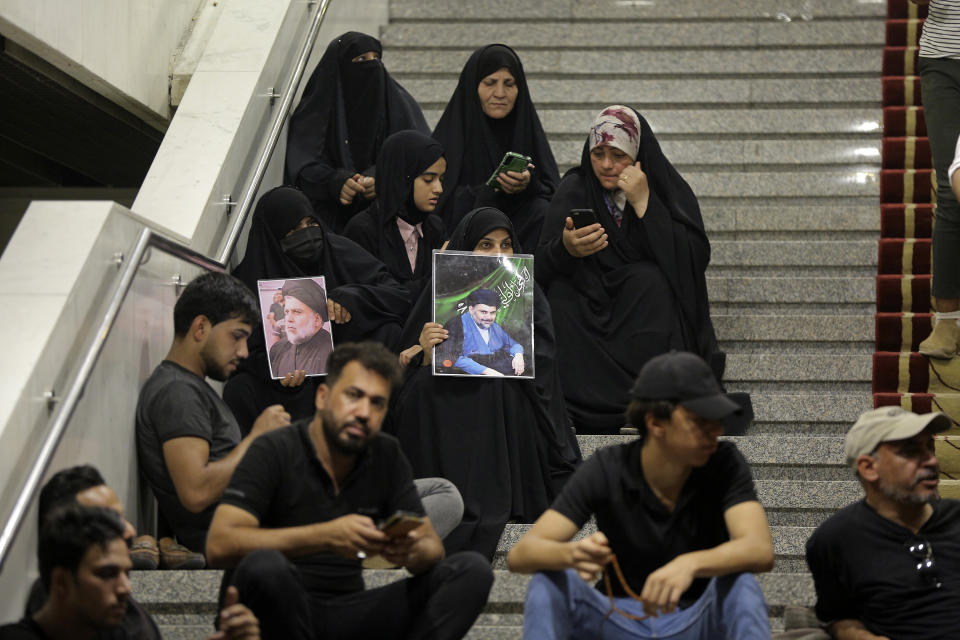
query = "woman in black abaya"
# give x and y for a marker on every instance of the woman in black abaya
(364, 301)
(489, 114)
(350, 105)
(631, 285)
(505, 444)
(400, 228)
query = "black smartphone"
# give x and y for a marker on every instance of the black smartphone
(583, 217)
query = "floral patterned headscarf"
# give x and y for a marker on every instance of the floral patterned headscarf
(617, 126)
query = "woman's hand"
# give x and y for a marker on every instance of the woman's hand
(408, 354)
(337, 312)
(515, 181)
(584, 242)
(369, 187)
(351, 187)
(633, 183)
(431, 335)
(294, 378)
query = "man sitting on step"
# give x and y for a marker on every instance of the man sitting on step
(84, 564)
(679, 525)
(83, 485)
(188, 441)
(888, 566)
(314, 493)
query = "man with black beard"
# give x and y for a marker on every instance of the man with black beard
(303, 508)
(188, 442)
(888, 566)
(308, 344)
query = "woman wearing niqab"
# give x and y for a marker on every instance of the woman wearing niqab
(400, 228)
(287, 241)
(506, 444)
(631, 286)
(350, 105)
(476, 130)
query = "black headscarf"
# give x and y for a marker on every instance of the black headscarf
(346, 112)
(404, 156)
(506, 444)
(474, 144)
(353, 277)
(602, 291)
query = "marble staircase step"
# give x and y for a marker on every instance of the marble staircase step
(619, 33)
(787, 367)
(588, 10)
(836, 183)
(724, 220)
(595, 93)
(799, 413)
(787, 253)
(790, 289)
(635, 58)
(721, 121)
(742, 153)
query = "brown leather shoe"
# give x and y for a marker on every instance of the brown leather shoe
(943, 341)
(144, 553)
(177, 556)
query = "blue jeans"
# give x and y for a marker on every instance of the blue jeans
(561, 606)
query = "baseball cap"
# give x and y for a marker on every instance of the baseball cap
(887, 424)
(685, 379)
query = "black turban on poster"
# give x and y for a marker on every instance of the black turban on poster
(309, 293)
(505, 444)
(474, 145)
(641, 296)
(346, 112)
(484, 296)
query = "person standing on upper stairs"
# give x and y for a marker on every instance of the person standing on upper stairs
(939, 67)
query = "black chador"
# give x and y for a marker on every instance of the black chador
(474, 145)
(346, 112)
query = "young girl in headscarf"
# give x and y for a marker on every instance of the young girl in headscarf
(400, 228)
(630, 285)
(505, 444)
(490, 113)
(350, 105)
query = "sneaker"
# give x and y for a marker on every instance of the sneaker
(943, 341)
(177, 556)
(144, 553)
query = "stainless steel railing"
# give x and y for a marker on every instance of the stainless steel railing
(146, 239)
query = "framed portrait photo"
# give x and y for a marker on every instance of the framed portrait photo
(486, 305)
(296, 325)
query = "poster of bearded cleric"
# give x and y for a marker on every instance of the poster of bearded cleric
(485, 303)
(296, 326)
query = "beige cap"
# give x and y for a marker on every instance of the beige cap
(886, 424)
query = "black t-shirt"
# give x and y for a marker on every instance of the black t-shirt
(863, 570)
(137, 623)
(282, 483)
(642, 532)
(26, 629)
(177, 403)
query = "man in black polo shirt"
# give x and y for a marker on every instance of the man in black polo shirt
(676, 511)
(888, 566)
(314, 493)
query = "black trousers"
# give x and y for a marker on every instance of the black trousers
(438, 604)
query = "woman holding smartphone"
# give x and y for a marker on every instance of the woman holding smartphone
(490, 114)
(629, 284)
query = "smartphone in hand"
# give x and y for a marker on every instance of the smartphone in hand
(583, 217)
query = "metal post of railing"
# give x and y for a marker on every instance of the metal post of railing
(279, 118)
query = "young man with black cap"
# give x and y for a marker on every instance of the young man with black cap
(679, 525)
(888, 566)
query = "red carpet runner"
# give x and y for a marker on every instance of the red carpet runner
(901, 376)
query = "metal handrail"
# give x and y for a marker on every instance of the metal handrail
(146, 239)
(233, 235)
